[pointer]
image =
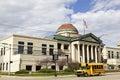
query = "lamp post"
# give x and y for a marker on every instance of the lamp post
(9, 62)
(55, 58)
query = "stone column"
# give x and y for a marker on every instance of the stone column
(73, 52)
(78, 53)
(87, 53)
(95, 54)
(83, 53)
(91, 52)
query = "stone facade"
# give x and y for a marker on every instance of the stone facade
(25, 51)
(112, 55)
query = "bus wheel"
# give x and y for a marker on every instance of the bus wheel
(99, 74)
(86, 74)
(78, 75)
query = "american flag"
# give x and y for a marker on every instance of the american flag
(85, 24)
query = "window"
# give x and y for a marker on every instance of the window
(3, 66)
(59, 46)
(0, 66)
(53, 67)
(20, 42)
(44, 48)
(112, 56)
(117, 55)
(20, 47)
(44, 45)
(29, 67)
(51, 49)
(29, 43)
(51, 46)
(29, 48)
(4, 50)
(1, 51)
(66, 46)
(44, 51)
(60, 67)
(108, 55)
(6, 66)
(38, 68)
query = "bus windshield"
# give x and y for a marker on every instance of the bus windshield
(84, 68)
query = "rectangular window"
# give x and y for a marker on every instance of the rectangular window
(60, 67)
(30, 43)
(1, 51)
(29, 48)
(29, 67)
(6, 66)
(51, 46)
(0, 66)
(20, 47)
(4, 50)
(117, 55)
(59, 46)
(38, 68)
(20, 42)
(44, 49)
(3, 66)
(44, 45)
(51, 51)
(109, 55)
(53, 67)
(66, 46)
(112, 56)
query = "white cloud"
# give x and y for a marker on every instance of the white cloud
(21, 16)
(105, 4)
(34, 17)
(104, 18)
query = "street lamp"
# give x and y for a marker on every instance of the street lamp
(55, 58)
(9, 72)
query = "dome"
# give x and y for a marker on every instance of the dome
(67, 28)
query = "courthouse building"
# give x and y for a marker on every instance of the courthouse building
(19, 52)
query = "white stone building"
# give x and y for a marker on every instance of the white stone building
(25, 51)
(112, 57)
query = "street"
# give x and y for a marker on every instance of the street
(107, 76)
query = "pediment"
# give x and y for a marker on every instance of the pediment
(90, 39)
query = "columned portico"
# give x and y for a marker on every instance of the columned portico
(85, 52)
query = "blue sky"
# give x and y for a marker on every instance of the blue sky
(42, 18)
(81, 6)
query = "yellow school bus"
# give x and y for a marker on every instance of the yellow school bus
(90, 69)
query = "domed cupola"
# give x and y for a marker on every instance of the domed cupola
(67, 28)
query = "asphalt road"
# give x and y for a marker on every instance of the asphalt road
(107, 76)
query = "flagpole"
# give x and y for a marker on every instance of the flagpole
(84, 25)
(84, 30)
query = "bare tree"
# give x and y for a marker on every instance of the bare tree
(63, 62)
(45, 62)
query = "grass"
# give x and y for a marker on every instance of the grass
(45, 74)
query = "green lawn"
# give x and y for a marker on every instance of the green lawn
(46, 74)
